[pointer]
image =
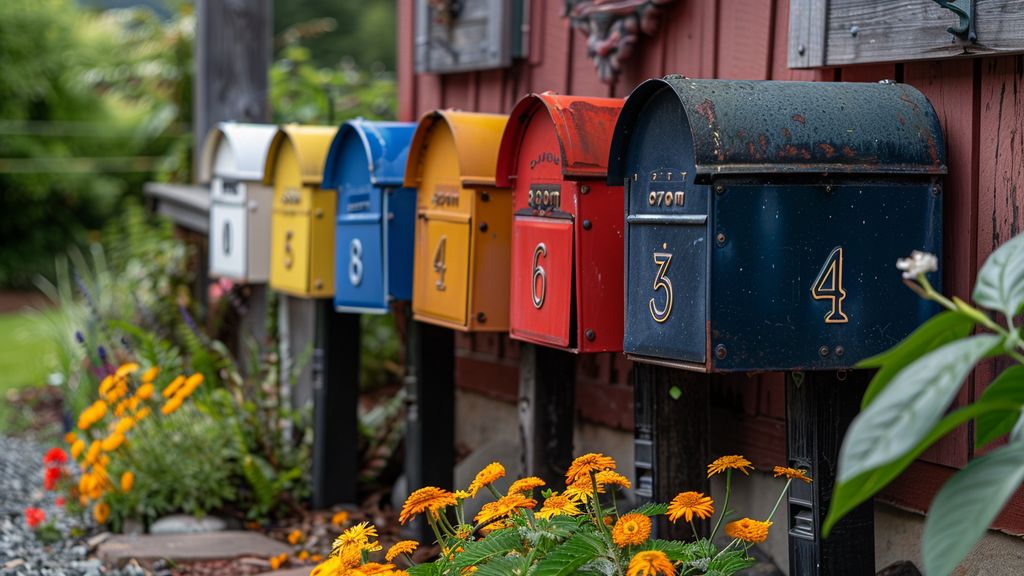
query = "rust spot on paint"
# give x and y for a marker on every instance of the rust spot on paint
(786, 133)
(707, 110)
(849, 152)
(763, 141)
(799, 118)
(753, 151)
(933, 150)
(901, 119)
(828, 149)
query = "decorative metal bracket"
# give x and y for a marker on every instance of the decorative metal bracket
(613, 29)
(965, 10)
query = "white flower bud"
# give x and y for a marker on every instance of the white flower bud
(918, 263)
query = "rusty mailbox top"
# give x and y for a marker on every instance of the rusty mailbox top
(476, 141)
(386, 145)
(236, 151)
(583, 126)
(762, 127)
(309, 145)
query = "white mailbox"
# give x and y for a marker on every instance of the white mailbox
(232, 163)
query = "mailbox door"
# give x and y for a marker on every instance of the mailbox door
(228, 236)
(442, 268)
(542, 280)
(289, 257)
(400, 227)
(599, 257)
(359, 274)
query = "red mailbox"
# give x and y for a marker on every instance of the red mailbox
(567, 244)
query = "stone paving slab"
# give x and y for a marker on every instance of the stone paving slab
(290, 572)
(190, 547)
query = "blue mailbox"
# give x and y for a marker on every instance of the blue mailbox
(764, 220)
(376, 214)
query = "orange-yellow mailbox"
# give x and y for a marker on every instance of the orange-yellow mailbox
(302, 225)
(463, 224)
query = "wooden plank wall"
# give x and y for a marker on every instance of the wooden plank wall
(980, 103)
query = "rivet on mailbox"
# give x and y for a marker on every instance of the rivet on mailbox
(376, 215)
(764, 220)
(232, 163)
(567, 284)
(463, 225)
(302, 234)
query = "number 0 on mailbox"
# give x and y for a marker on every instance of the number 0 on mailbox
(461, 269)
(567, 231)
(764, 220)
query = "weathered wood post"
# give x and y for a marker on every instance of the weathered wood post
(547, 404)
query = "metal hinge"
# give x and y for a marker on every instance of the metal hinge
(965, 10)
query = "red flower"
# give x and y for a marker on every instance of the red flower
(55, 456)
(51, 478)
(34, 517)
(59, 501)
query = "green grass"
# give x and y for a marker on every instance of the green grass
(26, 354)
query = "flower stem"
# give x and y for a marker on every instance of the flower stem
(437, 533)
(785, 489)
(725, 504)
(597, 503)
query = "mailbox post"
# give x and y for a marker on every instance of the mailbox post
(763, 219)
(566, 259)
(460, 270)
(302, 268)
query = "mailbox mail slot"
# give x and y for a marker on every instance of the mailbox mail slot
(463, 223)
(232, 164)
(567, 229)
(376, 215)
(764, 220)
(302, 227)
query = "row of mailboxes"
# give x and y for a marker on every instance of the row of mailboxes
(705, 224)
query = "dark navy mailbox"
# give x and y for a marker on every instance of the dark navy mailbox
(764, 220)
(376, 214)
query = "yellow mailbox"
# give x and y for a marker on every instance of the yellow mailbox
(463, 224)
(302, 225)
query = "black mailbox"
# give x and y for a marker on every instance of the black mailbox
(764, 220)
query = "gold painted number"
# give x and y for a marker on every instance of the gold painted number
(660, 315)
(439, 263)
(539, 274)
(829, 286)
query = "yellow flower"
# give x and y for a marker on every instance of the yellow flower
(689, 504)
(582, 490)
(748, 530)
(101, 512)
(503, 507)
(557, 505)
(171, 406)
(150, 375)
(584, 465)
(791, 473)
(127, 481)
(733, 462)
(631, 530)
(191, 383)
(94, 452)
(294, 537)
(358, 538)
(462, 495)
(113, 442)
(105, 385)
(303, 555)
(651, 563)
(77, 448)
(126, 369)
(424, 499)
(144, 392)
(172, 388)
(70, 438)
(124, 425)
(277, 561)
(374, 569)
(489, 475)
(142, 414)
(524, 485)
(328, 568)
(494, 526)
(404, 547)
(339, 518)
(610, 477)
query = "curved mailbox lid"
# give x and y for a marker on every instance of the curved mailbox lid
(761, 127)
(237, 151)
(476, 142)
(310, 144)
(584, 127)
(387, 150)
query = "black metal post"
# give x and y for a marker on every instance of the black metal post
(547, 406)
(819, 409)
(335, 406)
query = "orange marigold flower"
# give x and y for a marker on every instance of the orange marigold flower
(94, 452)
(584, 465)
(124, 425)
(101, 512)
(144, 392)
(734, 462)
(791, 473)
(127, 481)
(359, 537)
(172, 388)
(70, 438)
(494, 526)
(113, 442)
(142, 414)
(753, 531)
(631, 530)
(294, 537)
(374, 569)
(689, 504)
(277, 561)
(612, 478)
(503, 507)
(650, 563)
(303, 555)
(403, 547)
(489, 475)
(524, 485)
(77, 448)
(328, 568)
(426, 499)
(583, 490)
(105, 385)
(171, 406)
(126, 369)
(150, 375)
(339, 518)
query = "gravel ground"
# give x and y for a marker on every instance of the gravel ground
(21, 478)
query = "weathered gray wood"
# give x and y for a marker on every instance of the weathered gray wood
(547, 402)
(807, 19)
(861, 32)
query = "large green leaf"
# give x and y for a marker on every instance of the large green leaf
(1008, 387)
(1000, 284)
(939, 330)
(849, 494)
(498, 543)
(905, 412)
(966, 506)
(651, 509)
(575, 552)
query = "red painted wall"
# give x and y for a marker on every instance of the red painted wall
(980, 103)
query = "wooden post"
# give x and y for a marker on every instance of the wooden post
(547, 406)
(819, 409)
(335, 406)
(671, 439)
(430, 412)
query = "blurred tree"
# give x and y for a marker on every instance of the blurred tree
(363, 31)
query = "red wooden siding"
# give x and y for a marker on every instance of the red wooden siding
(980, 103)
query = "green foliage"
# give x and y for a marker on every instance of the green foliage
(905, 411)
(336, 30)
